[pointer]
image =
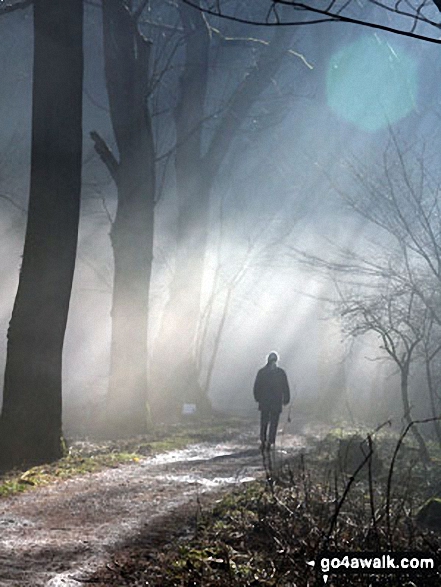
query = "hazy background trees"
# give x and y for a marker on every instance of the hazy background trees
(388, 284)
(206, 129)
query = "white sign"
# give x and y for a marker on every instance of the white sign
(188, 409)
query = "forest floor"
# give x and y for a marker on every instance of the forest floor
(218, 513)
(60, 534)
(355, 497)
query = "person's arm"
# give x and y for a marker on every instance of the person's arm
(286, 393)
(257, 388)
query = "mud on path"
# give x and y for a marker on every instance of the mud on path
(57, 535)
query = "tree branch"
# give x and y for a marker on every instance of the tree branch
(105, 154)
(137, 13)
(257, 80)
(7, 8)
(13, 203)
(327, 16)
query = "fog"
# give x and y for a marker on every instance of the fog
(332, 108)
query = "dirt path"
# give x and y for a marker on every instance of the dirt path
(55, 536)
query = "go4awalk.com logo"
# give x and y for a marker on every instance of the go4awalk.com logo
(405, 563)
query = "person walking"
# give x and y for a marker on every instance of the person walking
(271, 392)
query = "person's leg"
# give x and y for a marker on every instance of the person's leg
(274, 422)
(264, 421)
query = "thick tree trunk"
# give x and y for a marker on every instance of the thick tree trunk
(132, 243)
(30, 425)
(127, 75)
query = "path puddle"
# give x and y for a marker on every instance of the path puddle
(205, 482)
(194, 452)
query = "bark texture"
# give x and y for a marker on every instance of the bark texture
(127, 56)
(30, 424)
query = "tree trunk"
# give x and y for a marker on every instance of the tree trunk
(30, 425)
(404, 372)
(432, 395)
(174, 372)
(127, 56)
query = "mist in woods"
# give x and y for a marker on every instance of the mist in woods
(244, 189)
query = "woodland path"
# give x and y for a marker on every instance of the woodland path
(56, 536)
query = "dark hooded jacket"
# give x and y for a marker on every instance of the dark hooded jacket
(271, 389)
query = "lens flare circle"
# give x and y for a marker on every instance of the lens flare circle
(371, 83)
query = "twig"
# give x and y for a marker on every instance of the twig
(391, 471)
(371, 493)
(345, 493)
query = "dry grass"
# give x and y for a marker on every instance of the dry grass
(263, 534)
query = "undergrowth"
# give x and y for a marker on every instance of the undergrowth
(264, 533)
(89, 456)
(65, 468)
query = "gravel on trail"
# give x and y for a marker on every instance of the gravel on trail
(56, 536)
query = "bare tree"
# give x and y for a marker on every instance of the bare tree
(398, 317)
(30, 425)
(402, 201)
(394, 288)
(127, 70)
(203, 141)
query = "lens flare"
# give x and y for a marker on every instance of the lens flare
(371, 83)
